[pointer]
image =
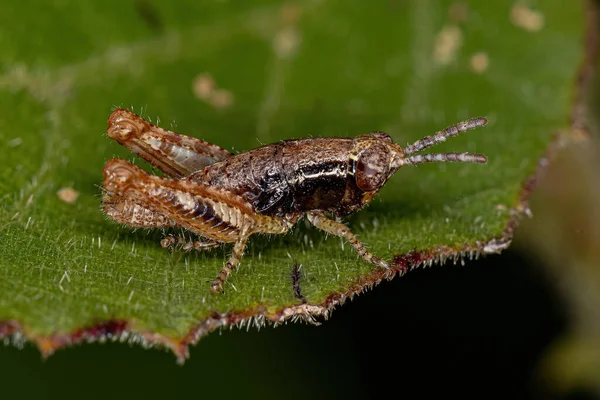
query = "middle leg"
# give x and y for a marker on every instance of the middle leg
(335, 228)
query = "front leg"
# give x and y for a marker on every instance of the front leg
(320, 220)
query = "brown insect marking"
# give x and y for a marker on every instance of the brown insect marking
(296, 277)
(117, 175)
(124, 124)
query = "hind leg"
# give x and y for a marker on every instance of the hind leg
(188, 245)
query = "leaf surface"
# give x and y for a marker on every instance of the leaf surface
(277, 71)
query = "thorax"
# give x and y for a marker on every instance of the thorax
(291, 176)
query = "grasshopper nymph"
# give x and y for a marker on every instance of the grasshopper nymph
(225, 198)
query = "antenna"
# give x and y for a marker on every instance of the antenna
(441, 136)
(445, 157)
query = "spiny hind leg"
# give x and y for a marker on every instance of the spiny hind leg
(187, 244)
(175, 154)
(127, 205)
(335, 228)
(236, 255)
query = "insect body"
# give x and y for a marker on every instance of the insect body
(225, 198)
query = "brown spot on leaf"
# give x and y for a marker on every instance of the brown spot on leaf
(524, 17)
(8, 328)
(290, 13)
(221, 98)
(99, 332)
(479, 62)
(68, 195)
(447, 43)
(458, 12)
(203, 86)
(286, 42)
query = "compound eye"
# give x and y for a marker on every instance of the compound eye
(372, 167)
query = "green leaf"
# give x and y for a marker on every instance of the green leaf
(280, 71)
